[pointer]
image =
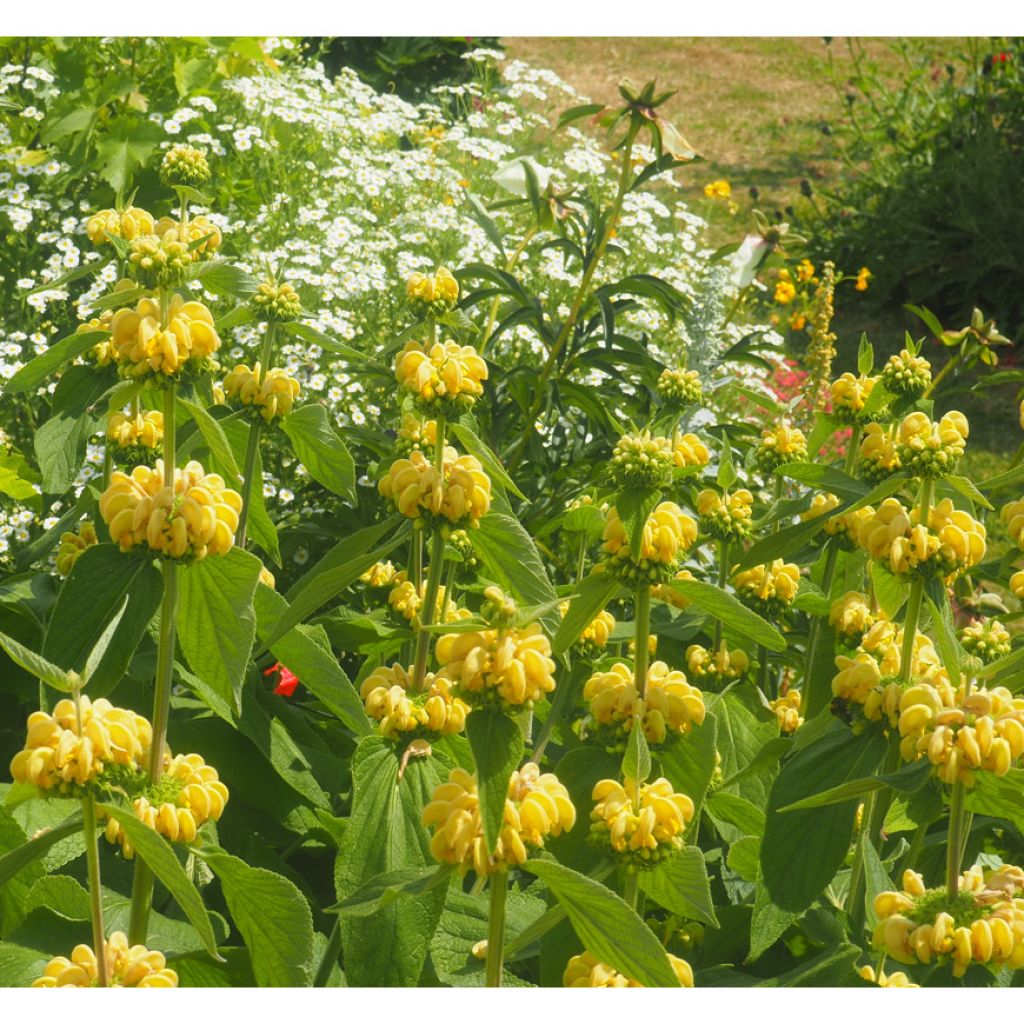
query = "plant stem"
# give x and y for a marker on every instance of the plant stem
(496, 929)
(142, 883)
(641, 639)
(330, 957)
(943, 373)
(815, 693)
(92, 857)
(253, 445)
(955, 841)
(581, 562)
(630, 891)
(723, 579)
(762, 670)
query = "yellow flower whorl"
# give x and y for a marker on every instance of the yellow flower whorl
(416, 434)
(988, 640)
(199, 230)
(127, 967)
(380, 574)
(59, 752)
(141, 346)
(536, 806)
(432, 295)
(718, 666)
(143, 430)
(670, 704)
(73, 546)
(197, 517)
(644, 822)
(985, 924)
(727, 517)
(928, 449)
(667, 533)
(586, 971)
(460, 494)
(879, 455)
(779, 445)
(787, 711)
(770, 588)
(851, 616)
(598, 630)
(849, 396)
(962, 735)
(391, 701)
(441, 371)
(511, 666)
(127, 224)
(273, 396)
(894, 979)
(905, 374)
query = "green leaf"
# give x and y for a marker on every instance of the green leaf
(492, 466)
(950, 651)
(802, 851)
(577, 113)
(157, 854)
(825, 478)
(315, 337)
(634, 505)
(606, 925)
(497, 745)
(15, 859)
(680, 885)
(384, 834)
(260, 527)
(17, 477)
(689, 761)
(865, 355)
(637, 762)
(833, 968)
(216, 441)
(273, 917)
(126, 148)
(36, 664)
(728, 610)
(38, 370)
(190, 75)
(19, 965)
(890, 590)
(875, 876)
(511, 557)
(307, 652)
(320, 450)
(967, 488)
(96, 588)
(592, 595)
(216, 624)
(908, 779)
(742, 735)
(222, 278)
(341, 566)
(998, 797)
(744, 857)
(384, 889)
(60, 448)
(726, 470)
(744, 816)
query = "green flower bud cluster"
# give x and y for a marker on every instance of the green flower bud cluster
(988, 641)
(276, 302)
(159, 262)
(184, 165)
(905, 374)
(640, 460)
(679, 388)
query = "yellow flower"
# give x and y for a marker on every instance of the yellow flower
(459, 494)
(851, 615)
(416, 433)
(928, 449)
(145, 430)
(666, 593)
(849, 396)
(434, 295)
(509, 666)
(597, 631)
(200, 232)
(879, 456)
(380, 574)
(407, 601)
(667, 533)
(391, 701)
(718, 666)
(821, 505)
(586, 971)
(720, 189)
(274, 395)
(670, 702)
(770, 588)
(196, 517)
(728, 517)
(536, 806)
(863, 276)
(785, 292)
(127, 224)
(442, 370)
(984, 925)
(276, 302)
(73, 545)
(895, 979)
(142, 346)
(1013, 515)
(643, 821)
(805, 271)
(127, 967)
(188, 795)
(986, 640)
(983, 731)
(779, 445)
(787, 711)
(61, 750)
(267, 577)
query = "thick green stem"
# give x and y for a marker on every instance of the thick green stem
(943, 373)
(815, 688)
(496, 929)
(723, 579)
(427, 609)
(641, 638)
(253, 445)
(330, 957)
(955, 841)
(92, 858)
(762, 670)
(630, 892)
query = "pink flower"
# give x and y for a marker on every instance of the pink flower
(288, 681)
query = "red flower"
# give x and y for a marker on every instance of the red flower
(288, 681)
